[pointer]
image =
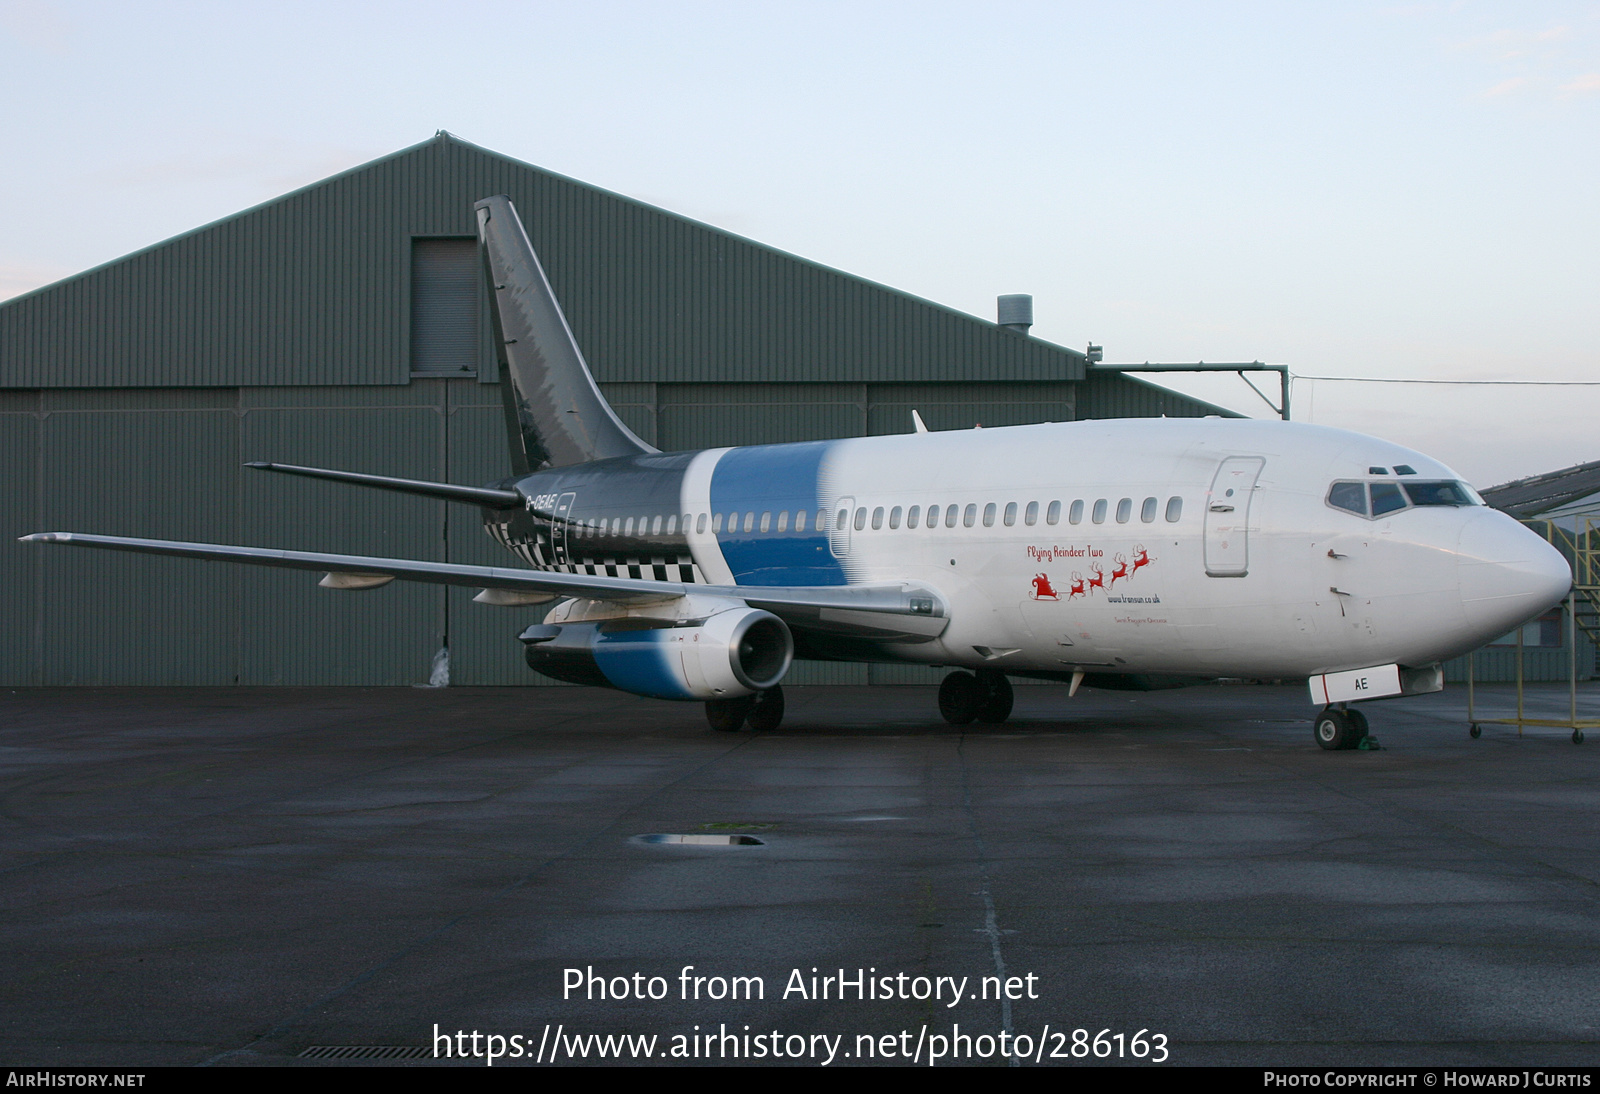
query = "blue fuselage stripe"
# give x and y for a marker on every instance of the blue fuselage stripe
(773, 479)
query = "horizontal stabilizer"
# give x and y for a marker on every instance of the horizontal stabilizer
(486, 496)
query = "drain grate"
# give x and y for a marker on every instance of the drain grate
(701, 839)
(366, 1052)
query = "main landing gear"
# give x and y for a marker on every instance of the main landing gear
(761, 712)
(1340, 728)
(985, 697)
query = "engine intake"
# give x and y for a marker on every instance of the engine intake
(733, 653)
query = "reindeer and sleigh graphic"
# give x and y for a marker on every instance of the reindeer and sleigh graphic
(1121, 570)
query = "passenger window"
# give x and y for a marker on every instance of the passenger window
(1174, 509)
(672, 524)
(861, 518)
(950, 516)
(843, 519)
(877, 519)
(1099, 516)
(627, 529)
(750, 520)
(700, 525)
(1075, 514)
(822, 520)
(1030, 516)
(1349, 496)
(970, 517)
(716, 524)
(1386, 498)
(1147, 511)
(912, 515)
(1011, 514)
(766, 522)
(655, 527)
(1052, 515)
(988, 515)
(933, 516)
(894, 517)
(800, 520)
(1124, 510)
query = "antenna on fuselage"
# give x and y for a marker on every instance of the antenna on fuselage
(917, 422)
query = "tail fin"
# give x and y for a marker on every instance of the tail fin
(555, 414)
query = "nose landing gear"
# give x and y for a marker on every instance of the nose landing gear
(1337, 729)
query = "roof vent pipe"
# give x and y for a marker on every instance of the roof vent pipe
(1016, 312)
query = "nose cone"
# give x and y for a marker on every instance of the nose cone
(1507, 574)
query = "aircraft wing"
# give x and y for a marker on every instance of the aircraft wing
(897, 611)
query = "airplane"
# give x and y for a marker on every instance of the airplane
(1130, 553)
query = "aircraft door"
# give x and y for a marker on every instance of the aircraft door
(1228, 516)
(839, 527)
(558, 528)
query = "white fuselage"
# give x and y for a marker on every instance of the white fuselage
(1258, 575)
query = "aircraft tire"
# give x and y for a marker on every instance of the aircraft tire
(767, 713)
(1358, 726)
(1334, 731)
(1577, 736)
(728, 715)
(960, 696)
(997, 700)
(1475, 732)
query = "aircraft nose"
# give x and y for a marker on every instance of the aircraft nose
(1507, 573)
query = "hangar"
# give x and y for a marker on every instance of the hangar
(344, 325)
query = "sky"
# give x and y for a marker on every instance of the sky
(1399, 191)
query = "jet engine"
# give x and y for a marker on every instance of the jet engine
(733, 653)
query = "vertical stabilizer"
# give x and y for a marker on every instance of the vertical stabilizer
(554, 411)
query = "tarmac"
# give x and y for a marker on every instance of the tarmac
(239, 876)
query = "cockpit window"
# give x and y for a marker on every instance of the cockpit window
(1437, 493)
(1386, 498)
(1351, 496)
(1378, 499)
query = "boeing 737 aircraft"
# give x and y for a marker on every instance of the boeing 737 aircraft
(1127, 553)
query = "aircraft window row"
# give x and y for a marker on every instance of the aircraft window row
(969, 515)
(1379, 499)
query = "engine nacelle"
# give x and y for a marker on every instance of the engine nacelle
(736, 652)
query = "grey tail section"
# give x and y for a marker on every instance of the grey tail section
(555, 414)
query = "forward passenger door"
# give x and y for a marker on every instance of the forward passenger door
(1228, 516)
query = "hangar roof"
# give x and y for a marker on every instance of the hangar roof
(312, 289)
(1541, 495)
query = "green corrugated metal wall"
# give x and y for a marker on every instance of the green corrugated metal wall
(312, 289)
(131, 395)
